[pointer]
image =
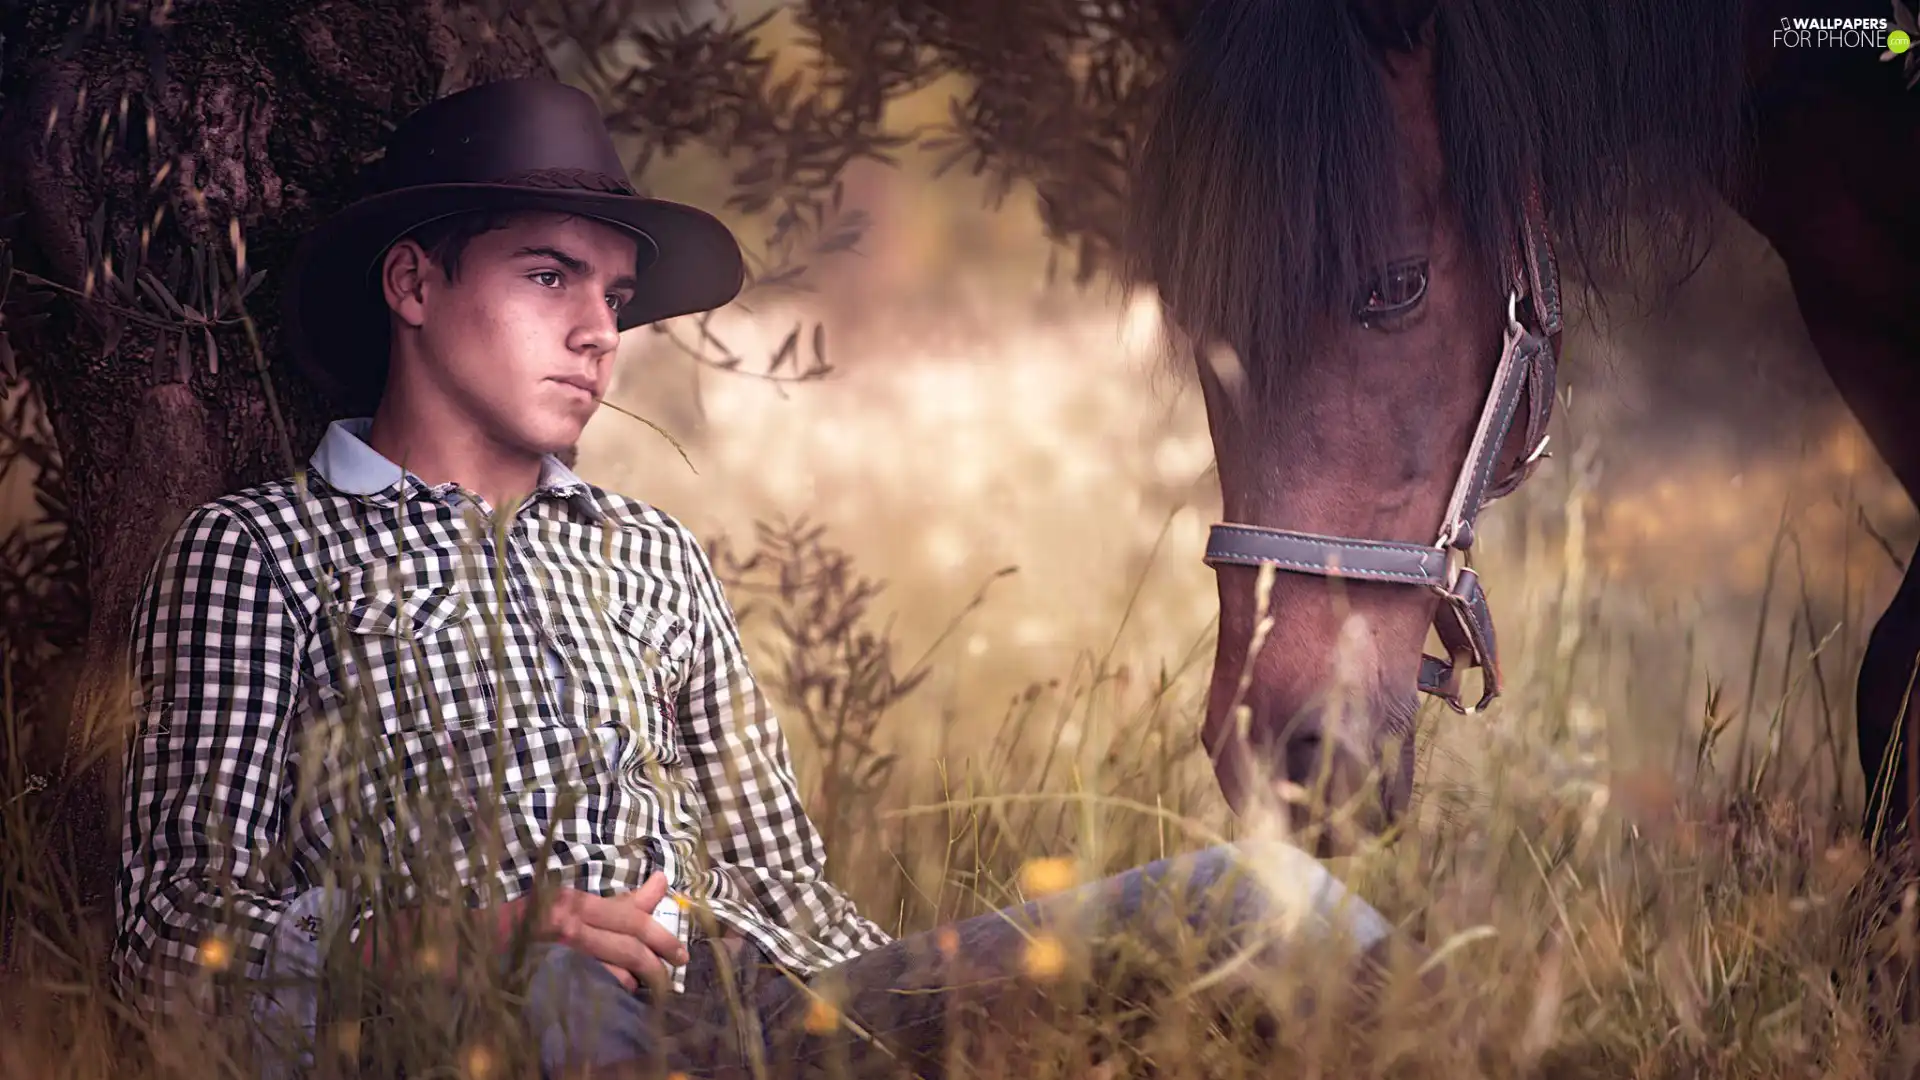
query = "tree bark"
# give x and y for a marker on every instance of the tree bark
(176, 119)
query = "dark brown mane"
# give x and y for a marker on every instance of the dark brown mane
(1266, 190)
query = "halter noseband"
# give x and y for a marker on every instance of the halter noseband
(1464, 623)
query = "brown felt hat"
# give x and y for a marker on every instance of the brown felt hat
(518, 144)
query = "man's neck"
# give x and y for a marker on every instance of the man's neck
(440, 446)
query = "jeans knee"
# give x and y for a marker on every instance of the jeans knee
(1260, 881)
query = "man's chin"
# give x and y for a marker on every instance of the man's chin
(557, 437)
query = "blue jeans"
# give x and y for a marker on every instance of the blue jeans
(908, 999)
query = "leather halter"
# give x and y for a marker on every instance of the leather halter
(1464, 623)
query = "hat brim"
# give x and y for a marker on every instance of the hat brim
(335, 316)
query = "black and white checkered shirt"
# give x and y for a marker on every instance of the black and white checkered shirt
(574, 678)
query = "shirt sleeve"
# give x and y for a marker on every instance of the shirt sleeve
(214, 651)
(757, 827)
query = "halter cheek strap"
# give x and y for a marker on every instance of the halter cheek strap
(1462, 620)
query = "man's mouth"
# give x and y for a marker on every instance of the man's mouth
(585, 386)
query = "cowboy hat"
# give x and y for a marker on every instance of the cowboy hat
(531, 144)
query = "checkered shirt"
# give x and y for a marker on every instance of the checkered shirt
(574, 679)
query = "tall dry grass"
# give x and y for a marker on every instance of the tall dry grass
(1697, 911)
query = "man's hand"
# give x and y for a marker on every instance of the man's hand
(619, 931)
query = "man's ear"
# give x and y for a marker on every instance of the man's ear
(403, 279)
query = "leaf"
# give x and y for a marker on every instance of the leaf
(782, 276)
(782, 95)
(877, 767)
(788, 348)
(819, 344)
(110, 338)
(50, 503)
(840, 241)
(97, 228)
(38, 454)
(213, 352)
(7, 366)
(159, 293)
(203, 275)
(253, 282)
(126, 290)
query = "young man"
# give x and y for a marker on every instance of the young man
(570, 674)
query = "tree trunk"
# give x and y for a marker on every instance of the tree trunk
(170, 123)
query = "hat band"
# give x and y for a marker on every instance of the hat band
(586, 179)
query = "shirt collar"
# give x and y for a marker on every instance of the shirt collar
(352, 467)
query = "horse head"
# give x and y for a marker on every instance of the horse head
(1351, 214)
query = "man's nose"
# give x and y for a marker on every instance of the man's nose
(599, 329)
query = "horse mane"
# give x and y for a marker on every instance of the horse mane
(1266, 191)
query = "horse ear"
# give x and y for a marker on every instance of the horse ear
(1395, 24)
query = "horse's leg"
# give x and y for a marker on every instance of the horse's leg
(1836, 204)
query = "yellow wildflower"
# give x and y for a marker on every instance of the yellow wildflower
(215, 954)
(478, 1062)
(822, 1017)
(1042, 876)
(1046, 958)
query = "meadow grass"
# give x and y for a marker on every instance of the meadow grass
(1710, 914)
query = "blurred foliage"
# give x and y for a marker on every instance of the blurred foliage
(785, 97)
(42, 594)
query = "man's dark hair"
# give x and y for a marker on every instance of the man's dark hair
(446, 239)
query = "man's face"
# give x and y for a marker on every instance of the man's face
(522, 341)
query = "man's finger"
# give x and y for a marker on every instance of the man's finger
(622, 914)
(654, 890)
(662, 941)
(624, 976)
(623, 951)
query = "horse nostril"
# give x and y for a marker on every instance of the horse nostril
(1305, 758)
(1319, 762)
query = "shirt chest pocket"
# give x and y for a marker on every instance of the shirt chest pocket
(415, 657)
(637, 675)
(416, 670)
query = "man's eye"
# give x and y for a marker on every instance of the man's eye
(537, 275)
(615, 300)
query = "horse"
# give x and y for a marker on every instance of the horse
(1356, 216)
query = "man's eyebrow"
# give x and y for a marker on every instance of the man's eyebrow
(574, 264)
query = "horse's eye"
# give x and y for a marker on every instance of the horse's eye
(1398, 289)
